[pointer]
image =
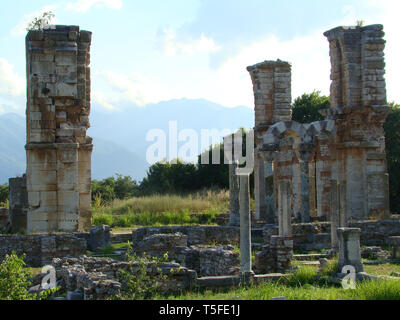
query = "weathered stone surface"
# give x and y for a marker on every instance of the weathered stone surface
(18, 204)
(4, 218)
(41, 249)
(99, 237)
(159, 244)
(349, 248)
(58, 150)
(218, 262)
(275, 257)
(196, 235)
(395, 244)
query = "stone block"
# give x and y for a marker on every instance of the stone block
(99, 237)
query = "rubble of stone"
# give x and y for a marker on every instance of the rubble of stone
(374, 253)
(100, 278)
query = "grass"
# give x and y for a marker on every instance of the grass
(302, 285)
(382, 269)
(200, 208)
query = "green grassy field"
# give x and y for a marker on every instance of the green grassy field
(302, 285)
(199, 208)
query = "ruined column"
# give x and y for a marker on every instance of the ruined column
(269, 190)
(284, 209)
(245, 226)
(234, 218)
(305, 156)
(359, 108)
(272, 98)
(334, 215)
(58, 149)
(349, 248)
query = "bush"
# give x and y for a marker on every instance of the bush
(14, 280)
(141, 285)
(100, 219)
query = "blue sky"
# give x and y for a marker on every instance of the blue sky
(149, 51)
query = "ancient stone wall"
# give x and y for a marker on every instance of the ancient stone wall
(41, 249)
(317, 236)
(58, 149)
(195, 235)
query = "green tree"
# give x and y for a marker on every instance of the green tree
(392, 134)
(3, 194)
(39, 23)
(306, 108)
(169, 177)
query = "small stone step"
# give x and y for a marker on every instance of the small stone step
(309, 263)
(312, 256)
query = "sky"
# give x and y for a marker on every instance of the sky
(144, 52)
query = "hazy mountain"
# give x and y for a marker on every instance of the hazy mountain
(119, 137)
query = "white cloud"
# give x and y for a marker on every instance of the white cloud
(10, 82)
(102, 100)
(83, 6)
(230, 84)
(134, 88)
(171, 46)
(20, 28)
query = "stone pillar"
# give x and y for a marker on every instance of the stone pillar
(305, 156)
(18, 204)
(234, 218)
(272, 98)
(395, 244)
(245, 226)
(58, 149)
(284, 207)
(334, 215)
(259, 189)
(349, 248)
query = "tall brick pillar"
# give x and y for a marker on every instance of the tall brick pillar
(58, 149)
(272, 97)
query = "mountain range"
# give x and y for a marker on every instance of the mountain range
(119, 137)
